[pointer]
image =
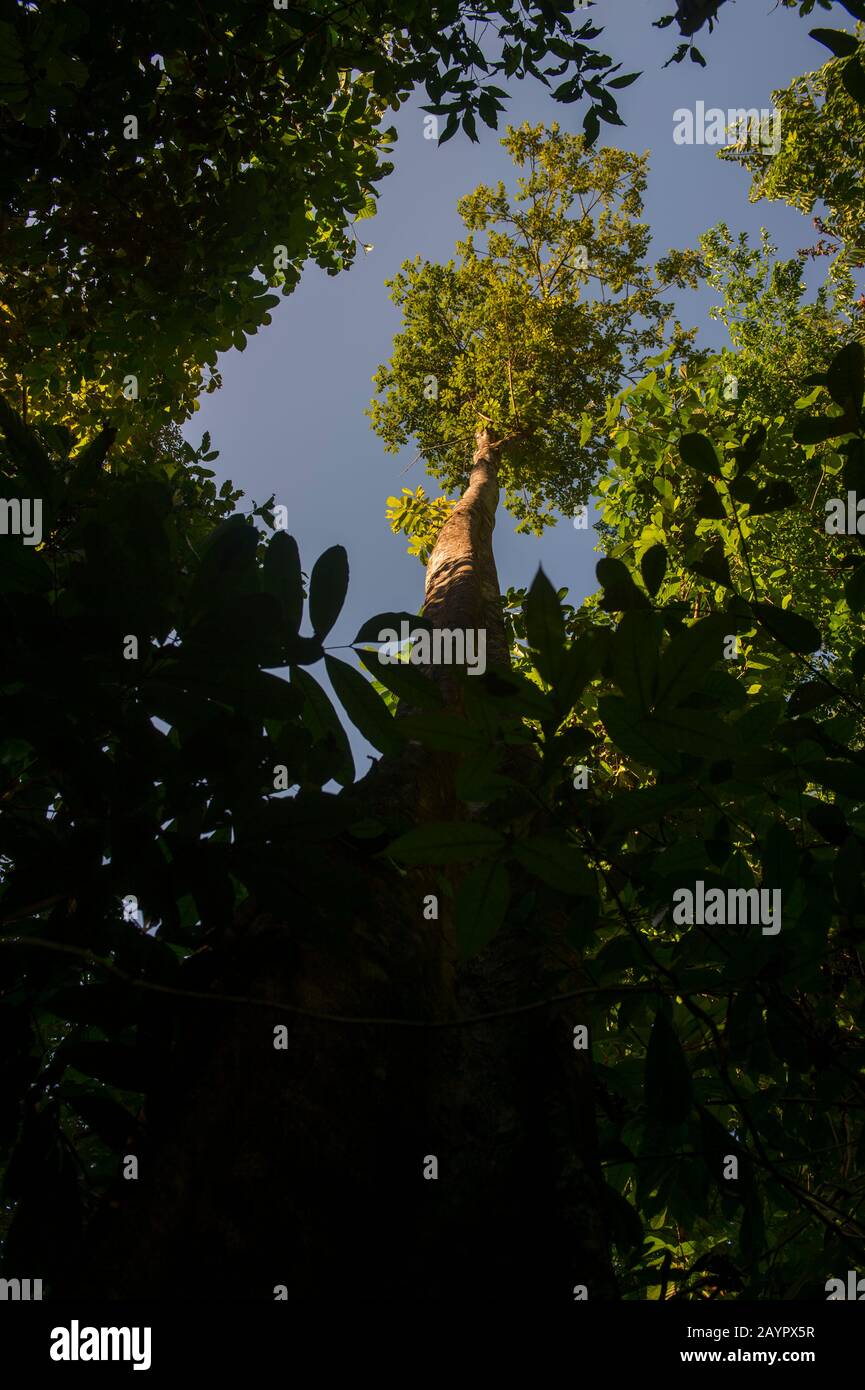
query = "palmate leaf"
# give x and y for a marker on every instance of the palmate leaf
(658, 740)
(620, 592)
(545, 626)
(634, 656)
(689, 657)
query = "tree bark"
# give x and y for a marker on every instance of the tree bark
(304, 1168)
(462, 585)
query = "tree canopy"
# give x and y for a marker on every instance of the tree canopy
(530, 332)
(151, 149)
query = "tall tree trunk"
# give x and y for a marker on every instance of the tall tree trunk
(311, 1167)
(462, 586)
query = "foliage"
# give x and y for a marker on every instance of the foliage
(152, 776)
(418, 517)
(691, 15)
(157, 775)
(710, 1042)
(561, 279)
(764, 484)
(146, 250)
(820, 160)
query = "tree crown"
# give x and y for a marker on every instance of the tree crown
(533, 327)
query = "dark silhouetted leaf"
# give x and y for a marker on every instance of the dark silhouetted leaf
(653, 567)
(698, 452)
(556, 862)
(328, 585)
(441, 842)
(796, 633)
(481, 904)
(366, 710)
(667, 1081)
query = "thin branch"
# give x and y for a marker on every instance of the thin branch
(115, 971)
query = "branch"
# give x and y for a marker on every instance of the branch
(101, 963)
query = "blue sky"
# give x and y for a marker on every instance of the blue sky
(290, 419)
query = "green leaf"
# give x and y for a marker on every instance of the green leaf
(481, 903)
(26, 450)
(796, 633)
(556, 862)
(698, 452)
(366, 710)
(744, 489)
(582, 661)
(469, 126)
(281, 577)
(328, 585)
(667, 1079)
(653, 567)
(86, 466)
(440, 842)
